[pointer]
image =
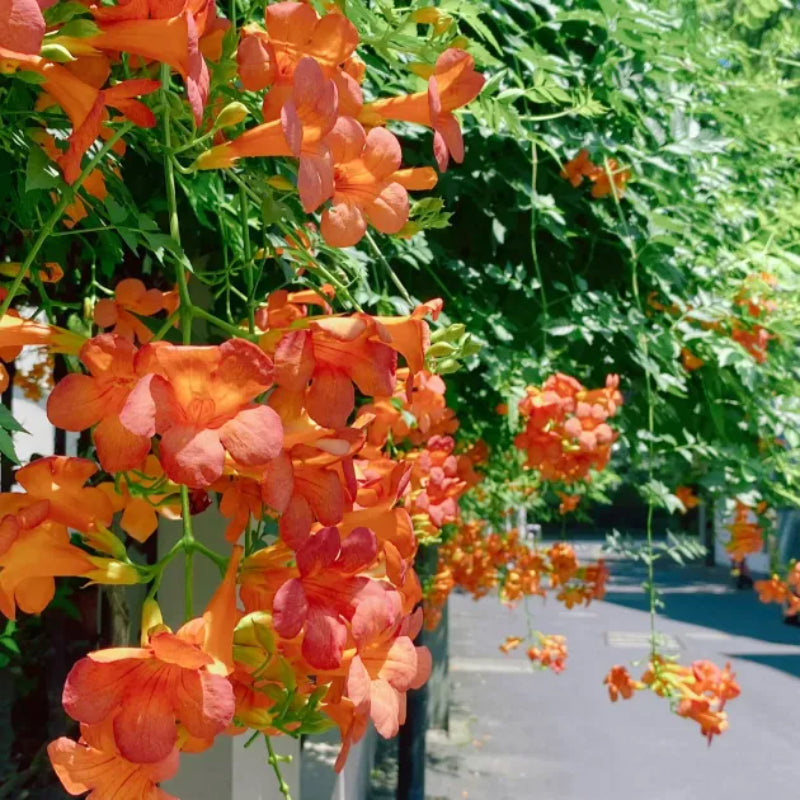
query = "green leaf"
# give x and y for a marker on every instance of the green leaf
(7, 421)
(40, 171)
(7, 447)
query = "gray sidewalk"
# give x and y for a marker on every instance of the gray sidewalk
(517, 734)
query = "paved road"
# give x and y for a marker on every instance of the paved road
(516, 735)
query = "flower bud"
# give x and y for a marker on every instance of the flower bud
(232, 114)
(102, 539)
(111, 571)
(452, 333)
(441, 349)
(57, 53)
(254, 641)
(470, 347)
(447, 366)
(151, 618)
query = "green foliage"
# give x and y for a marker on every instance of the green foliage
(701, 110)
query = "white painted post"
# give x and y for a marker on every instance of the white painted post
(228, 771)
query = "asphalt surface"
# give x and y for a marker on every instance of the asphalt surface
(516, 734)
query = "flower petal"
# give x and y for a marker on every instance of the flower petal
(289, 609)
(254, 436)
(119, 450)
(343, 225)
(330, 398)
(191, 456)
(76, 403)
(324, 639)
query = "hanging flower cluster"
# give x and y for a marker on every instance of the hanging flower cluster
(784, 591)
(755, 300)
(550, 652)
(698, 692)
(314, 622)
(567, 432)
(688, 498)
(755, 303)
(747, 535)
(314, 112)
(330, 602)
(601, 177)
(480, 563)
(313, 109)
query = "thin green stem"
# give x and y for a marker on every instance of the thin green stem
(157, 570)
(172, 206)
(244, 210)
(546, 117)
(233, 330)
(195, 142)
(651, 586)
(168, 322)
(188, 543)
(67, 196)
(274, 760)
(392, 274)
(534, 251)
(219, 560)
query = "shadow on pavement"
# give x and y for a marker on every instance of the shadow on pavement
(703, 596)
(788, 663)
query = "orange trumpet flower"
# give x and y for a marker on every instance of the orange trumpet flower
(687, 497)
(146, 689)
(87, 107)
(173, 40)
(60, 481)
(334, 353)
(295, 31)
(94, 764)
(620, 684)
(199, 399)
(454, 83)
(367, 185)
(22, 28)
(132, 298)
(329, 593)
(382, 672)
(81, 401)
(33, 551)
(511, 643)
(306, 117)
(16, 333)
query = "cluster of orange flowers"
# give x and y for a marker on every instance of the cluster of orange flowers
(479, 563)
(313, 108)
(699, 691)
(417, 414)
(567, 432)
(321, 622)
(746, 534)
(688, 498)
(785, 591)
(754, 300)
(331, 602)
(580, 167)
(550, 652)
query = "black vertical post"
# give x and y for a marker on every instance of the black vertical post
(411, 745)
(59, 436)
(706, 523)
(6, 466)
(411, 740)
